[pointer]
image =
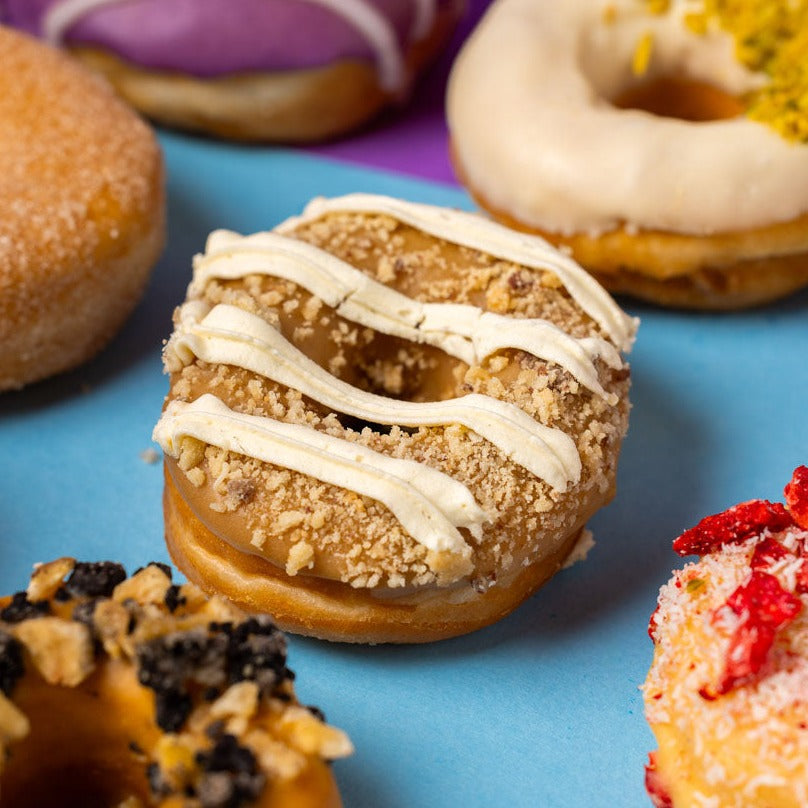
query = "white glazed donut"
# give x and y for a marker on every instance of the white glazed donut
(539, 139)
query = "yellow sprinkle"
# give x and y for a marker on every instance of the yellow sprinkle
(642, 54)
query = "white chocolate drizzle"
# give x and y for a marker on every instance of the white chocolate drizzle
(361, 15)
(231, 336)
(474, 231)
(430, 505)
(463, 331)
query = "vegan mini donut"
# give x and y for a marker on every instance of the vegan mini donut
(286, 70)
(725, 695)
(387, 421)
(620, 133)
(81, 211)
(138, 692)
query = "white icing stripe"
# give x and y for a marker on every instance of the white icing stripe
(231, 336)
(463, 331)
(424, 19)
(476, 232)
(429, 504)
(61, 17)
(361, 15)
(379, 34)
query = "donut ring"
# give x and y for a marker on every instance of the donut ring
(83, 211)
(282, 70)
(656, 182)
(725, 695)
(307, 473)
(135, 691)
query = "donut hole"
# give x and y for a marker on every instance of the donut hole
(680, 97)
(81, 750)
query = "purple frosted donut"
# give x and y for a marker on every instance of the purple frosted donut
(205, 44)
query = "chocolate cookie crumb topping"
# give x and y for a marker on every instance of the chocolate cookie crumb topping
(21, 609)
(95, 578)
(174, 598)
(231, 777)
(11, 664)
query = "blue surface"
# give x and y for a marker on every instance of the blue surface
(541, 709)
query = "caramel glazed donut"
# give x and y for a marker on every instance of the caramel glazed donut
(725, 695)
(287, 70)
(388, 422)
(620, 133)
(82, 211)
(127, 692)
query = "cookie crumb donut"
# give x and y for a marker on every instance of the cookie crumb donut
(388, 421)
(81, 211)
(725, 695)
(663, 143)
(283, 70)
(137, 692)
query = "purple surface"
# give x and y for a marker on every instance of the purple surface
(210, 37)
(412, 139)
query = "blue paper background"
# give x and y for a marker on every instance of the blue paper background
(541, 709)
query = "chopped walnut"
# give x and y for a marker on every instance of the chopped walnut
(301, 555)
(47, 578)
(61, 650)
(311, 736)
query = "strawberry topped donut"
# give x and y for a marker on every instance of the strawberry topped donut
(292, 70)
(664, 143)
(726, 693)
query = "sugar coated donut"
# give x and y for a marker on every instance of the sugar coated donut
(388, 421)
(726, 693)
(290, 70)
(135, 692)
(664, 143)
(81, 211)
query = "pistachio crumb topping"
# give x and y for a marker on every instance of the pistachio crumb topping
(771, 37)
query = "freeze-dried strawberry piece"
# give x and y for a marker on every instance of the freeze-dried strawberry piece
(652, 624)
(767, 552)
(797, 496)
(653, 784)
(764, 608)
(733, 526)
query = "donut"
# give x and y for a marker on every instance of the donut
(137, 691)
(725, 695)
(279, 70)
(81, 211)
(663, 143)
(388, 421)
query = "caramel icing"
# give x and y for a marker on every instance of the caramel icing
(229, 335)
(429, 504)
(473, 231)
(465, 332)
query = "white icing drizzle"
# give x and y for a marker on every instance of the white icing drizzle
(476, 232)
(61, 17)
(377, 30)
(379, 34)
(425, 11)
(231, 336)
(429, 504)
(465, 332)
